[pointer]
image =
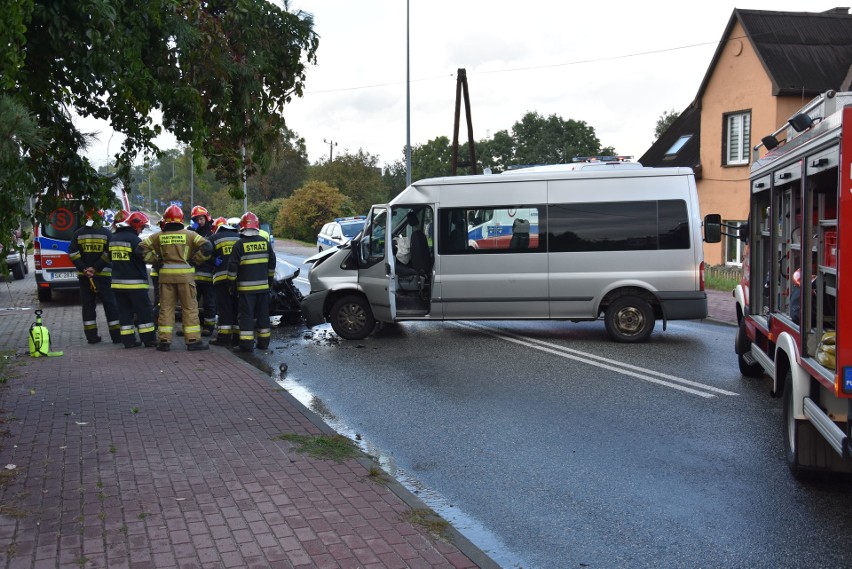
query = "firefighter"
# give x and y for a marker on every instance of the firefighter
(251, 268)
(201, 224)
(173, 249)
(94, 275)
(224, 236)
(130, 282)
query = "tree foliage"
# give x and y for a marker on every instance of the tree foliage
(664, 122)
(305, 212)
(357, 176)
(218, 71)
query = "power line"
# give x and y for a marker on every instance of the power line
(530, 68)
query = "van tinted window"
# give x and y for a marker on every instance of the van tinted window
(618, 226)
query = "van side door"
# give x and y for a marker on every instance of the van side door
(375, 264)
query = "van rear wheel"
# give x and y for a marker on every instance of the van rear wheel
(629, 319)
(351, 317)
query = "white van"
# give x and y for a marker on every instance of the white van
(573, 243)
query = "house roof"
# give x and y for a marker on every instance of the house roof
(687, 124)
(803, 53)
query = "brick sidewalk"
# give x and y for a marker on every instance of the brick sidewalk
(142, 459)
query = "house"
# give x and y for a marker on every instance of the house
(766, 67)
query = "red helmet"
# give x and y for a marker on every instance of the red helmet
(120, 218)
(137, 221)
(249, 221)
(199, 211)
(217, 222)
(173, 214)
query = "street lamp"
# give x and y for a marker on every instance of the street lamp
(407, 95)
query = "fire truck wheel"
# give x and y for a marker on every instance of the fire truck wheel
(629, 319)
(351, 317)
(743, 346)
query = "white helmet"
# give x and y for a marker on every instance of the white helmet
(232, 223)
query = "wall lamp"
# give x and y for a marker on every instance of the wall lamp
(801, 122)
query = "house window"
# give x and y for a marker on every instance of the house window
(677, 146)
(733, 245)
(737, 138)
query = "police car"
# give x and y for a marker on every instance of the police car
(339, 231)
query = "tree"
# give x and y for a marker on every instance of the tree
(288, 169)
(552, 140)
(431, 160)
(219, 71)
(357, 176)
(303, 214)
(664, 122)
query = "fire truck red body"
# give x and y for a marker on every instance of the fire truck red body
(794, 304)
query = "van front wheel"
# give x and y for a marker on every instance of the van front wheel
(629, 319)
(351, 317)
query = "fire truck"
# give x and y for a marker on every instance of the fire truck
(794, 304)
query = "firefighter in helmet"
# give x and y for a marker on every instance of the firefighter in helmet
(130, 282)
(225, 235)
(174, 248)
(202, 224)
(94, 273)
(251, 268)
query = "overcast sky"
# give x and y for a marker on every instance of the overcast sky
(615, 65)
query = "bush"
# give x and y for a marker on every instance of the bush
(304, 213)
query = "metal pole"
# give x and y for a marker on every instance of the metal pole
(245, 179)
(191, 178)
(407, 93)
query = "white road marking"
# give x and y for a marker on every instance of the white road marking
(659, 378)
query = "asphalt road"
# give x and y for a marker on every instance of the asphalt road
(549, 445)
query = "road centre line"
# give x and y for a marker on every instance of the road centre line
(644, 374)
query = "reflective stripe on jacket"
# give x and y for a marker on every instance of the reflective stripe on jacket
(128, 267)
(175, 252)
(251, 265)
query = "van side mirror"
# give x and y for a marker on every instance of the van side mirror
(712, 228)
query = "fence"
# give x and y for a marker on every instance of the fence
(725, 272)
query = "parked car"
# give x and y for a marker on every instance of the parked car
(17, 260)
(339, 231)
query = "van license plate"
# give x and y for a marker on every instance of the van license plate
(63, 276)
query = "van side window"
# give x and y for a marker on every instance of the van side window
(505, 229)
(618, 226)
(372, 244)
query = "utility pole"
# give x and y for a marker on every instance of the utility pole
(331, 145)
(461, 91)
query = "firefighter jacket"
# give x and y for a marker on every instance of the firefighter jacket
(128, 266)
(87, 249)
(204, 271)
(175, 252)
(223, 241)
(251, 266)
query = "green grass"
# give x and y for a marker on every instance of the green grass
(335, 447)
(428, 520)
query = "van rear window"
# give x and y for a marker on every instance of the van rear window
(61, 224)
